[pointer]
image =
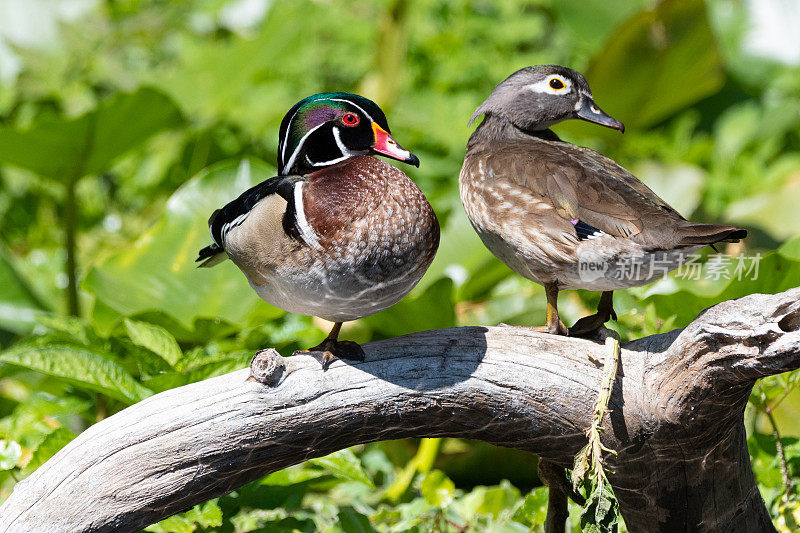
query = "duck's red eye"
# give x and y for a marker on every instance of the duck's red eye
(350, 119)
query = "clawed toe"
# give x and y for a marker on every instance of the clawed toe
(349, 350)
(555, 328)
(588, 326)
(330, 350)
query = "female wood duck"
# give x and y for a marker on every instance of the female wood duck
(339, 234)
(564, 216)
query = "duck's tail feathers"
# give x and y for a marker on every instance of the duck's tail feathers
(695, 233)
(211, 256)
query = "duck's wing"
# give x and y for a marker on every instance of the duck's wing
(598, 196)
(232, 215)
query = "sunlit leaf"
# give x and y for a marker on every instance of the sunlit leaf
(80, 367)
(533, 509)
(437, 488)
(679, 184)
(656, 63)
(487, 500)
(154, 338)
(761, 209)
(791, 249)
(590, 22)
(10, 453)
(207, 515)
(345, 465)
(69, 325)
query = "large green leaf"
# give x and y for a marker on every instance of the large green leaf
(65, 150)
(159, 273)
(590, 22)
(80, 367)
(659, 61)
(791, 248)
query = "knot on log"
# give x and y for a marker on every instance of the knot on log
(267, 367)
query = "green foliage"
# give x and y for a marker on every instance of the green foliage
(201, 516)
(10, 454)
(51, 444)
(169, 110)
(158, 272)
(18, 302)
(83, 368)
(88, 144)
(344, 465)
(676, 57)
(601, 513)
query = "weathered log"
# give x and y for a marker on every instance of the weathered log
(676, 420)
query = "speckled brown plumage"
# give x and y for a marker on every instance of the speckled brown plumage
(375, 236)
(340, 234)
(546, 207)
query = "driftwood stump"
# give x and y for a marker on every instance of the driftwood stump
(676, 420)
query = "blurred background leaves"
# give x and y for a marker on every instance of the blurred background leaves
(125, 123)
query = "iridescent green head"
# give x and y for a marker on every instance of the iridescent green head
(327, 128)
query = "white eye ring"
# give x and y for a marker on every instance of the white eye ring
(543, 86)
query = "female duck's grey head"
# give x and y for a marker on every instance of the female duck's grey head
(327, 128)
(535, 98)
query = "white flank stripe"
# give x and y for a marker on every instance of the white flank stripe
(306, 231)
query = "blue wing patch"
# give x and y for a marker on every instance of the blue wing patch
(585, 231)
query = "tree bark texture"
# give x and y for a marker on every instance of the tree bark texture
(676, 420)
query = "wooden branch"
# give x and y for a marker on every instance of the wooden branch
(677, 408)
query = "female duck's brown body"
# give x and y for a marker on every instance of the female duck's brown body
(561, 215)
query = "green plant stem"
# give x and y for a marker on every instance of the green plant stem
(776, 434)
(70, 230)
(422, 462)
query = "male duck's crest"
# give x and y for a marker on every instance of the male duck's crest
(327, 128)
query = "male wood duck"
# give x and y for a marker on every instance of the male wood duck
(339, 234)
(561, 215)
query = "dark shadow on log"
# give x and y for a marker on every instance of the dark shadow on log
(676, 420)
